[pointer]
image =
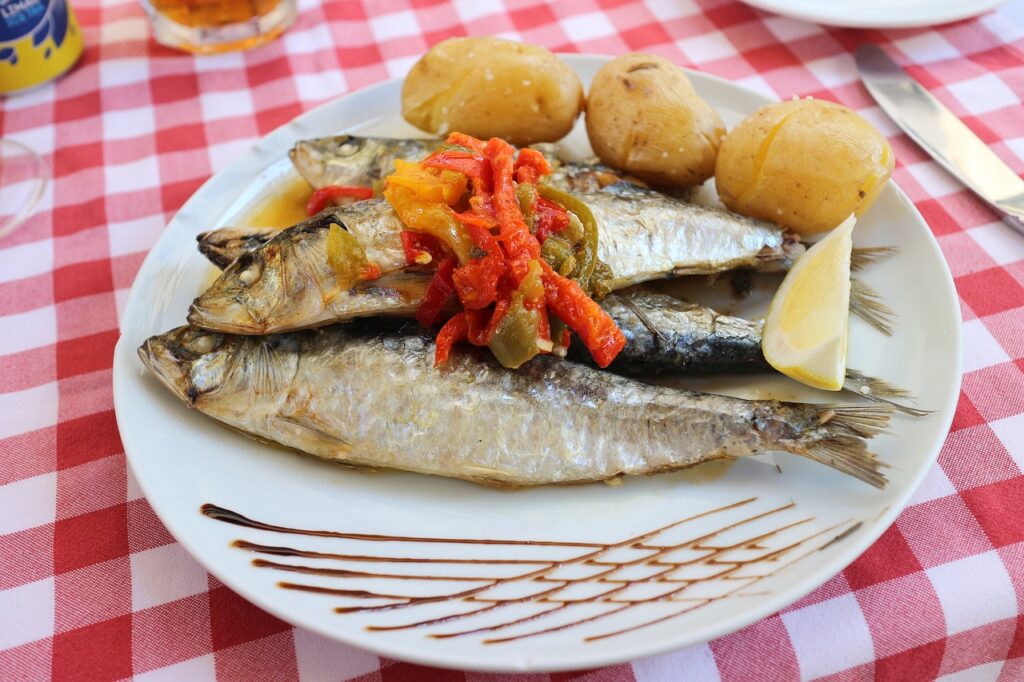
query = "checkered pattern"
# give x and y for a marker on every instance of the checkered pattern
(92, 585)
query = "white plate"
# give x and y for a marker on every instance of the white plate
(877, 13)
(183, 460)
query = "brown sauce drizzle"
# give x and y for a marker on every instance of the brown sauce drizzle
(233, 517)
(309, 554)
(344, 573)
(590, 554)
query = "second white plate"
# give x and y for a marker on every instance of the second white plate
(877, 13)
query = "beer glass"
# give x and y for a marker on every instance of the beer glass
(210, 26)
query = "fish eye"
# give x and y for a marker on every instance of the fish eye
(249, 275)
(204, 343)
(249, 269)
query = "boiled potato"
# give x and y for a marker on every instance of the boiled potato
(488, 87)
(644, 117)
(806, 164)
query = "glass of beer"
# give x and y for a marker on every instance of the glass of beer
(210, 26)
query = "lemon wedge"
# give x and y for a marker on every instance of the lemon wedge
(808, 321)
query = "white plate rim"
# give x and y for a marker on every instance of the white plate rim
(850, 15)
(839, 559)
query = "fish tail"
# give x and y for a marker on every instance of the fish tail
(865, 256)
(840, 440)
(880, 391)
(867, 304)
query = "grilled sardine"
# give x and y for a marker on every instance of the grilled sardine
(666, 336)
(359, 395)
(288, 284)
(364, 161)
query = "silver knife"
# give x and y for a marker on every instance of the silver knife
(941, 134)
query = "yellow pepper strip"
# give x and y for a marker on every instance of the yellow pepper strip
(428, 184)
(422, 198)
(432, 217)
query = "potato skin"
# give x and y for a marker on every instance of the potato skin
(644, 116)
(805, 164)
(488, 87)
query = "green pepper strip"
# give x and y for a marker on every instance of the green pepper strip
(527, 196)
(588, 259)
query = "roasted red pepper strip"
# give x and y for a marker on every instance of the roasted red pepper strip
(531, 165)
(476, 282)
(453, 331)
(319, 200)
(472, 165)
(500, 308)
(482, 187)
(477, 218)
(422, 248)
(544, 328)
(550, 219)
(520, 245)
(477, 325)
(526, 175)
(482, 237)
(482, 206)
(467, 141)
(439, 291)
(584, 316)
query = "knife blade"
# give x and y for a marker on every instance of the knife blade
(940, 133)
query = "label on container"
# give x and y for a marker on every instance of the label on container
(39, 40)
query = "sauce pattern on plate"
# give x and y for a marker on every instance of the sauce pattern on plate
(698, 566)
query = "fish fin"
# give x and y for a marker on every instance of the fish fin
(863, 257)
(865, 421)
(304, 436)
(644, 320)
(880, 391)
(867, 304)
(839, 441)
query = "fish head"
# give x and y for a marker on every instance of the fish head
(353, 160)
(243, 297)
(221, 370)
(288, 282)
(338, 160)
(222, 246)
(270, 287)
(190, 362)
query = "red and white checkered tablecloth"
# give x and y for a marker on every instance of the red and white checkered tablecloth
(93, 587)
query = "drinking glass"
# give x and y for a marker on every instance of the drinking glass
(211, 26)
(23, 177)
